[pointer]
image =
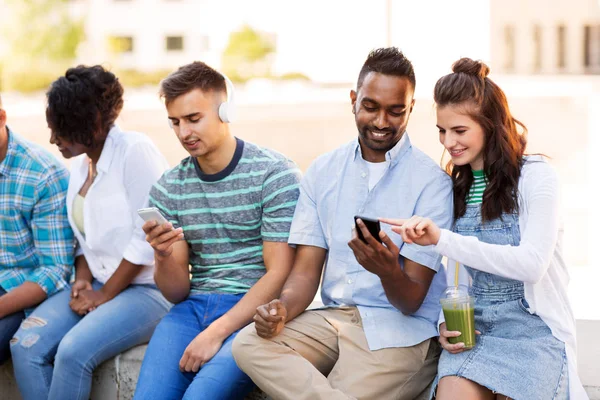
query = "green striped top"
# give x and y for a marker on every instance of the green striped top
(226, 216)
(477, 188)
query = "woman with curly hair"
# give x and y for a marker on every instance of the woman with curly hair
(113, 303)
(507, 234)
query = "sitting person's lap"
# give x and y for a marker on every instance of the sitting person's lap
(220, 378)
(8, 326)
(79, 344)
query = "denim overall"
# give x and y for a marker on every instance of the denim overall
(516, 354)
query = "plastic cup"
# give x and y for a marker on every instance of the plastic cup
(459, 312)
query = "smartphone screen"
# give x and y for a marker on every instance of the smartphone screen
(372, 225)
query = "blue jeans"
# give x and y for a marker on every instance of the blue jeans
(8, 327)
(219, 379)
(56, 350)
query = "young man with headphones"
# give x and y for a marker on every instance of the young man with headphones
(223, 251)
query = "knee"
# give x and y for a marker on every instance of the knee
(70, 352)
(26, 342)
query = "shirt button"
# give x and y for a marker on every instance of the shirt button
(363, 175)
(349, 281)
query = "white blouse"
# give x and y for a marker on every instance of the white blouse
(537, 260)
(128, 167)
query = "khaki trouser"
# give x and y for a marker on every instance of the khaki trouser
(323, 354)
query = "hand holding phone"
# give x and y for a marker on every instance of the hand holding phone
(160, 236)
(372, 225)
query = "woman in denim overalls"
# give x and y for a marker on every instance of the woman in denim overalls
(507, 234)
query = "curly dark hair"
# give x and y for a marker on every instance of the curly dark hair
(387, 61)
(196, 75)
(504, 145)
(84, 101)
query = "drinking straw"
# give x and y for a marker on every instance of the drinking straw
(456, 275)
(456, 279)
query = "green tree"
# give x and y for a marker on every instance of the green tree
(247, 54)
(42, 39)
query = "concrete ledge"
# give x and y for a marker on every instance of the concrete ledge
(116, 378)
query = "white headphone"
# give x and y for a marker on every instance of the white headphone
(227, 111)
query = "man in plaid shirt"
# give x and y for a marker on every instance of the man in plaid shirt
(36, 241)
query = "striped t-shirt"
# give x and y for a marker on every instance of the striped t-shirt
(477, 188)
(226, 216)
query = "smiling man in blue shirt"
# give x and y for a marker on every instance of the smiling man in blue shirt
(375, 339)
(36, 241)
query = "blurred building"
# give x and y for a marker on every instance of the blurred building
(149, 35)
(324, 40)
(545, 36)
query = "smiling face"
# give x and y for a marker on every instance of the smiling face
(381, 110)
(461, 135)
(195, 119)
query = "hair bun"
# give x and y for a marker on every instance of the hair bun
(471, 67)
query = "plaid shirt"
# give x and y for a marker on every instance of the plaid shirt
(36, 241)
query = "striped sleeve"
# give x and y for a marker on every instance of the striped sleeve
(52, 234)
(280, 193)
(161, 197)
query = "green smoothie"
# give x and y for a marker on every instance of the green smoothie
(461, 317)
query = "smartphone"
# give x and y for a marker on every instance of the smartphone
(372, 225)
(152, 214)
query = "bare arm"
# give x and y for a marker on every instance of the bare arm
(279, 258)
(120, 279)
(27, 295)
(297, 294)
(172, 273)
(82, 270)
(278, 262)
(85, 299)
(171, 256)
(406, 289)
(301, 287)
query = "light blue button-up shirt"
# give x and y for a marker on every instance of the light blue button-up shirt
(334, 190)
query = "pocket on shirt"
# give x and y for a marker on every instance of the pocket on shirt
(17, 235)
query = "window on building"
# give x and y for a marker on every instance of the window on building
(537, 48)
(591, 49)
(561, 46)
(174, 43)
(587, 46)
(509, 45)
(120, 44)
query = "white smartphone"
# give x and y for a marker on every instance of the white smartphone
(152, 214)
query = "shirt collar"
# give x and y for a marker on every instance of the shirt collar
(393, 155)
(107, 151)
(10, 153)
